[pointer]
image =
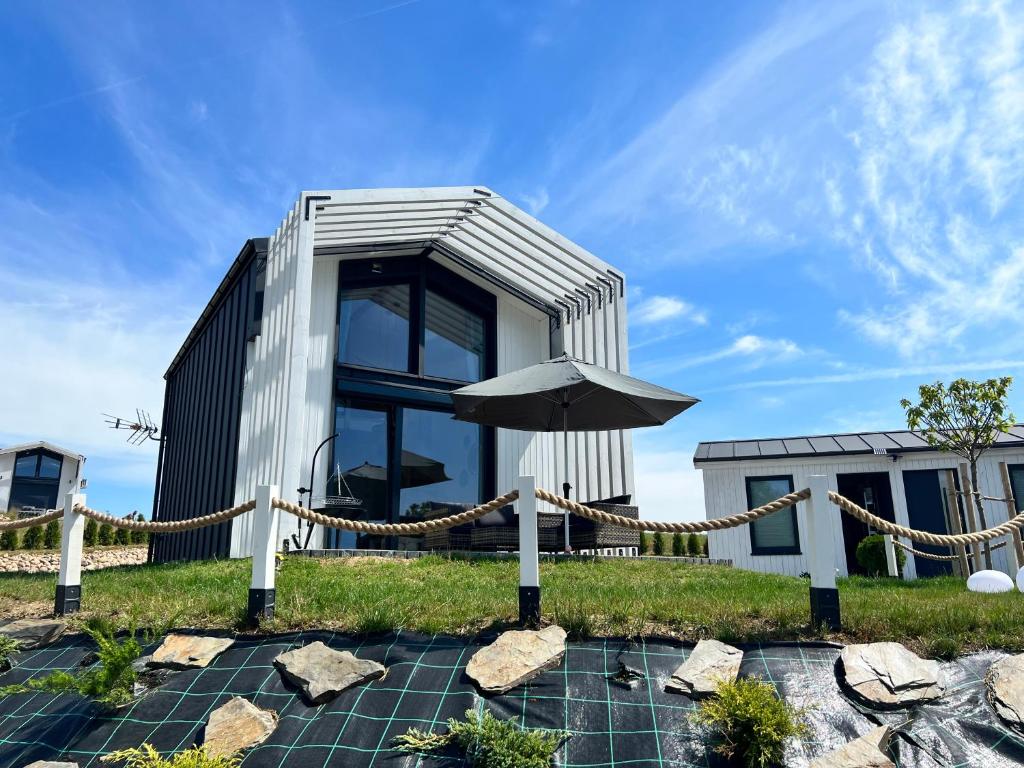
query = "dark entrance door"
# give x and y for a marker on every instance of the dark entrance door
(926, 511)
(872, 491)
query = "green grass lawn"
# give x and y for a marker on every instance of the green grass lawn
(937, 617)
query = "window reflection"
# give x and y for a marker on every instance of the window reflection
(454, 340)
(360, 471)
(440, 471)
(374, 327)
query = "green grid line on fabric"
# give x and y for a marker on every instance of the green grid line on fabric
(329, 735)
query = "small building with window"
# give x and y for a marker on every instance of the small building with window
(36, 476)
(356, 318)
(896, 475)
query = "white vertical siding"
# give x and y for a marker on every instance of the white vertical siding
(6, 479)
(273, 420)
(725, 494)
(522, 341)
(68, 475)
(602, 461)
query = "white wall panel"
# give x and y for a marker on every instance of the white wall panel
(6, 479)
(273, 404)
(725, 494)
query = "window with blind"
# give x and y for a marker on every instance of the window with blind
(776, 534)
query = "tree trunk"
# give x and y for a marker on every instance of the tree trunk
(981, 511)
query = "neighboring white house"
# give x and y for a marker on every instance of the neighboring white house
(894, 474)
(36, 476)
(358, 316)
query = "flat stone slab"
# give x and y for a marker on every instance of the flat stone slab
(710, 663)
(1005, 684)
(33, 633)
(237, 726)
(516, 657)
(189, 651)
(322, 672)
(864, 752)
(888, 676)
(50, 764)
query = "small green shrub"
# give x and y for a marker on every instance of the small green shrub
(122, 536)
(871, 556)
(147, 757)
(9, 539)
(33, 537)
(487, 742)
(678, 545)
(750, 722)
(693, 545)
(110, 682)
(140, 537)
(90, 533)
(8, 645)
(51, 536)
(645, 542)
(659, 544)
(106, 535)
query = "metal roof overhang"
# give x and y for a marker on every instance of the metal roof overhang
(475, 227)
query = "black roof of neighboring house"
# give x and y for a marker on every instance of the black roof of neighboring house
(850, 444)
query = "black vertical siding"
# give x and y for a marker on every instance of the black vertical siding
(202, 407)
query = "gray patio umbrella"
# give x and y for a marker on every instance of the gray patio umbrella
(567, 395)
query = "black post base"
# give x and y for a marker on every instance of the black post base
(825, 608)
(68, 600)
(261, 606)
(529, 607)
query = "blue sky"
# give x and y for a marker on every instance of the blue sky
(818, 206)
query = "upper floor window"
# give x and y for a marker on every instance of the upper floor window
(39, 465)
(374, 327)
(414, 317)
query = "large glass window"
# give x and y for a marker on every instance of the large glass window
(777, 533)
(360, 471)
(454, 342)
(440, 472)
(374, 327)
(25, 466)
(49, 467)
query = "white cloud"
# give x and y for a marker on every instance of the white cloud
(995, 367)
(753, 351)
(934, 199)
(536, 202)
(658, 309)
(668, 488)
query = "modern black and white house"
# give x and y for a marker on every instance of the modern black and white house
(896, 475)
(36, 476)
(357, 317)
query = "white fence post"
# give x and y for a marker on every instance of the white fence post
(69, 579)
(890, 556)
(529, 560)
(264, 556)
(822, 556)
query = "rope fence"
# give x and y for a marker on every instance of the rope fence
(397, 529)
(267, 507)
(718, 524)
(933, 556)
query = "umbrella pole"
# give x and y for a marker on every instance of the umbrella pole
(566, 487)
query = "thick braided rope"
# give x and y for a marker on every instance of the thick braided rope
(28, 522)
(924, 537)
(698, 527)
(396, 529)
(931, 556)
(167, 526)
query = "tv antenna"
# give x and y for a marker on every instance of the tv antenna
(142, 427)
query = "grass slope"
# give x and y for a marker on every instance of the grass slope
(625, 597)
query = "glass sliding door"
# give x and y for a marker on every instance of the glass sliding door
(440, 472)
(359, 469)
